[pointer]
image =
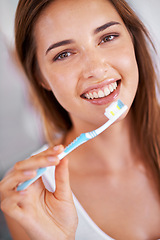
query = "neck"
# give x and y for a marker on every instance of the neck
(112, 150)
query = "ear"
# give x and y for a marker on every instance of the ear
(45, 85)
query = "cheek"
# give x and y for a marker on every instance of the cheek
(56, 79)
(59, 75)
(127, 65)
(63, 86)
(62, 82)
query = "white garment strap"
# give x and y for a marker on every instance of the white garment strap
(48, 177)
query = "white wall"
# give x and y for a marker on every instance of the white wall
(149, 12)
(20, 134)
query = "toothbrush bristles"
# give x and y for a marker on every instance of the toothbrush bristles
(120, 103)
(113, 108)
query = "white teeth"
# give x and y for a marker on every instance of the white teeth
(87, 96)
(114, 85)
(90, 95)
(102, 92)
(95, 95)
(110, 88)
(106, 91)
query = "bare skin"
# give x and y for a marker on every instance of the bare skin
(35, 212)
(107, 174)
(119, 188)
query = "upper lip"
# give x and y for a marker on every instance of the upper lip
(100, 85)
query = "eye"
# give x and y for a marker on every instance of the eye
(109, 38)
(62, 56)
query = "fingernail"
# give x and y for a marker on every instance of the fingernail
(29, 173)
(58, 147)
(52, 159)
(23, 192)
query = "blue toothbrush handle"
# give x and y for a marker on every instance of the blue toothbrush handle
(77, 142)
(27, 183)
(84, 137)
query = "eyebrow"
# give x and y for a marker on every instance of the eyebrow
(106, 25)
(59, 44)
(70, 41)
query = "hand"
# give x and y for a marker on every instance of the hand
(42, 214)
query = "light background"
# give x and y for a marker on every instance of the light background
(20, 133)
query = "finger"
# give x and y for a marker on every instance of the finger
(52, 150)
(11, 204)
(44, 159)
(14, 178)
(63, 190)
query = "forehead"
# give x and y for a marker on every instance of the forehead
(62, 18)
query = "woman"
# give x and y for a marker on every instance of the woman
(72, 51)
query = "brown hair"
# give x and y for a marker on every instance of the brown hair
(145, 106)
(146, 109)
(54, 116)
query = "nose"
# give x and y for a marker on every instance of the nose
(94, 66)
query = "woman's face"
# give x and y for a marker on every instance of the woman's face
(86, 56)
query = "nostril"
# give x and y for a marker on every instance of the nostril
(94, 72)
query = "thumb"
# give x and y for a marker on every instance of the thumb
(63, 190)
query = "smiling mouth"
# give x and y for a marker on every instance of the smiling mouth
(101, 92)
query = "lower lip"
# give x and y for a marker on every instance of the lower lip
(108, 99)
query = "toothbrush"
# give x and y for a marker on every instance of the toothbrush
(113, 112)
